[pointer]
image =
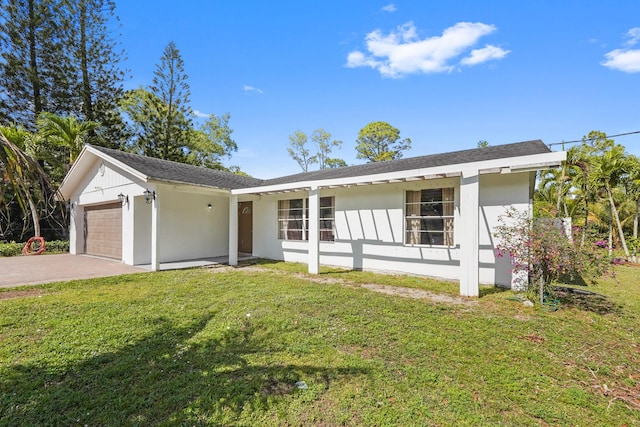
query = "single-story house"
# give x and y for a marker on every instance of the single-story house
(430, 215)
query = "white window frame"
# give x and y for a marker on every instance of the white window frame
(413, 236)
(283, 222)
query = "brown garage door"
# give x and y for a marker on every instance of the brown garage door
(103, 230)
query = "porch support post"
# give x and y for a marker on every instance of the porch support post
(233, 230)
(314, 230)
(76, 229)
(469, 240)
(155, 230)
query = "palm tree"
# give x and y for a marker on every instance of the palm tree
(608, 170)
(24, 174)
(633, 185)
(66, 132)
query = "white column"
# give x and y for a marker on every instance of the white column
(233, 230)
(314, 230)
(155, 230)
(469, 241)
(76, 229)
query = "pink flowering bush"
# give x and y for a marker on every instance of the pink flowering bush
(541, 248)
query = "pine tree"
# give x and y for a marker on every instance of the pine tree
(34, 72)
(172, 128)
(97, 63)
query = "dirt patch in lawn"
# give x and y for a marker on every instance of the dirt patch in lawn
(384, 289)
(419, 294)
(22, 294)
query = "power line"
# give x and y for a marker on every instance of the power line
(591, 139)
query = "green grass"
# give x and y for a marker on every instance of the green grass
(227, 348)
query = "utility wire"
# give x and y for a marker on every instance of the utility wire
(591, 139)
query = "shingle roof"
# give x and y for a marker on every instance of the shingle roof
(433, 160)
(164, 170)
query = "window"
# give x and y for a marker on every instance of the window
(293, 219)
(429, 217)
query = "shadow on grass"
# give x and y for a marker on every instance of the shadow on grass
(490, 290)
(161, 379)
(585, 300)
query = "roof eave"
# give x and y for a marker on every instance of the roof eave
(74, 176)
(510, 164)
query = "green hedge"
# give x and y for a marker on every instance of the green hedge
(15, 249)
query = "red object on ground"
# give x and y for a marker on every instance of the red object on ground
(27, 247)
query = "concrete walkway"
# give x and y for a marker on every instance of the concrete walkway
(30, 270)
(33, 270)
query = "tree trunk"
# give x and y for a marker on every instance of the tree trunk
(585, 227)
(635, 220)
(560, 192)
(33, 61)
(635, 231)
(34, 216)
(618, 224)
(610, 235)
(87, 104)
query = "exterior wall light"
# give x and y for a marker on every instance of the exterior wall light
(210, 206)
(124, 200)
(149, 196)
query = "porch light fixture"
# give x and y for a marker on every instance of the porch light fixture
(124, 200)
(210, 206)
(149, 196)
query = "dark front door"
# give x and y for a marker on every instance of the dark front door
(245, 227)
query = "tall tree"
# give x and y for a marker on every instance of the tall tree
(325, 145)
(59, 57)
(211, 142)
(299, 150)
(633, 183)
(97, 60)
(608, 171)
(35, 75)
(171, 88)
(379, 141)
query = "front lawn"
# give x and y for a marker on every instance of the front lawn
(267, 346)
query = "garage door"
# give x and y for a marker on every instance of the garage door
(103, 230)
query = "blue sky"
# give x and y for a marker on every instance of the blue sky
(447, 74)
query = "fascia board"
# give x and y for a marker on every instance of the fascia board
(84, 161)
(117, 163)
(521, 162)
(189, 188)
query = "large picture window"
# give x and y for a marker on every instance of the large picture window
(429, 217)
(293, 219)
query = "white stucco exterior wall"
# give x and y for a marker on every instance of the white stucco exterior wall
(497, 193)
(188, 229)
(101, 185)
(369, 229)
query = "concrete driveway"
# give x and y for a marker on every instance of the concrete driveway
(30, 270)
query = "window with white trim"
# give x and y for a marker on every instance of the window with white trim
(293, 219)
(429, 216)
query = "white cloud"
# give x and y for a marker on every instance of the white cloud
(200, 114)
(625, 60)
(402, 52)
(487, 53)
(390, 8)
(249, 89)
(634, 36)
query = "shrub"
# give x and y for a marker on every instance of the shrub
(8, 249)
(542, 250)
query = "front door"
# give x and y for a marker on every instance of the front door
(245, 227)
